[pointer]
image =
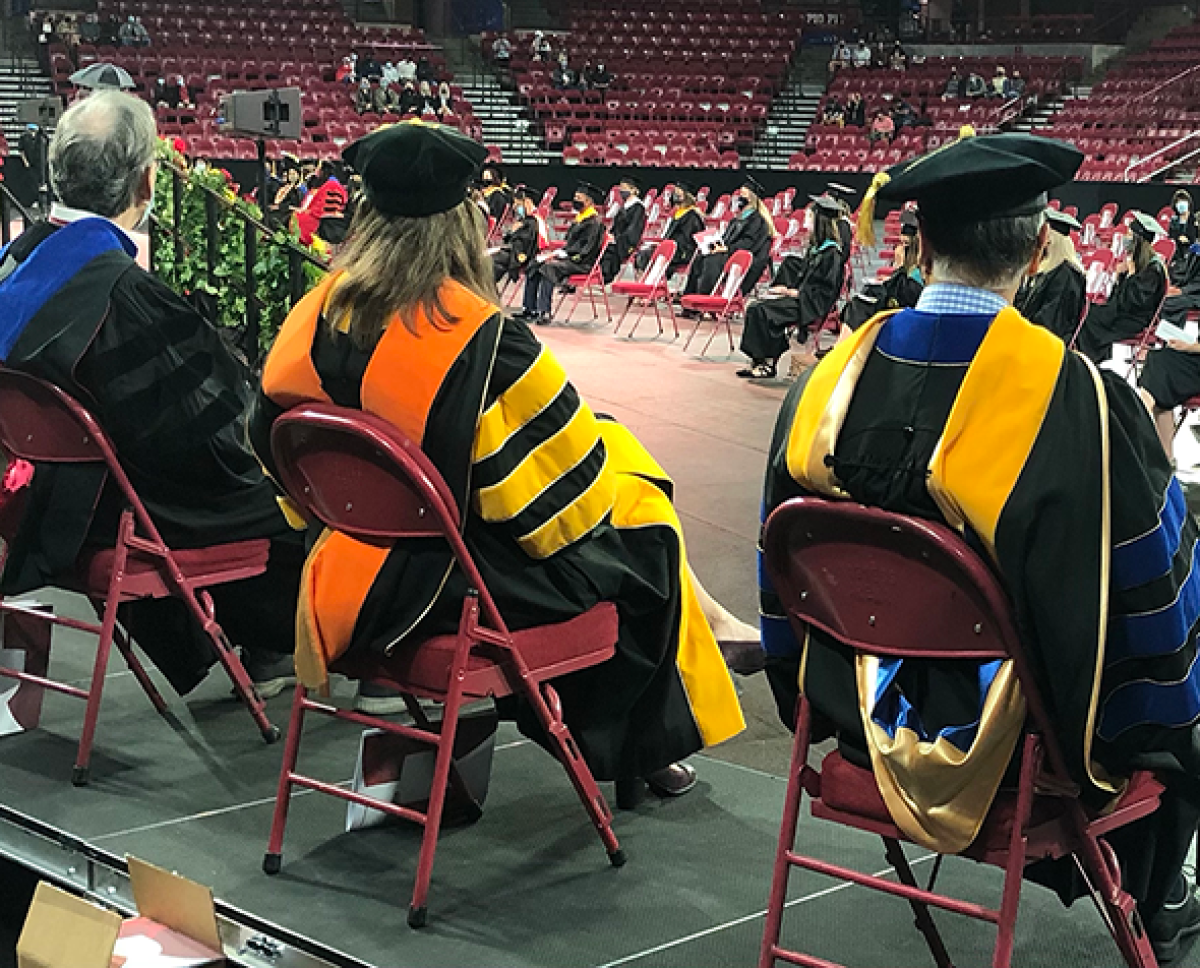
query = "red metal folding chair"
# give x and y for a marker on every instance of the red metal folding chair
(940, 601)
(726, 299)
(650, 290)
(588, 282)
(43, 425)
(357, 474)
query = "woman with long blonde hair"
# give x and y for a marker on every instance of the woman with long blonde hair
(1056, 295)
(562, 509)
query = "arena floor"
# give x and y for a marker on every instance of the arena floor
(528, 885)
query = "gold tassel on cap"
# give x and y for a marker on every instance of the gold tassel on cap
(966, 131)
(865, 228)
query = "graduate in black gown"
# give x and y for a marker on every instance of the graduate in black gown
(686, 222)
(802, 294)
(1182, 231)
(627, 228)
(524, 240)
(585, 239)
(1169, 378)
(751, 229)
(1135, 298)
(1055, 296)
(900, 290)
(80, 313)
(496, 193)
(963, 412)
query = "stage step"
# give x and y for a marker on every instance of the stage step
(506, 123)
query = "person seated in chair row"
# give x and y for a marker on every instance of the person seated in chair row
(524, 241)
(1137, 294)
(496, 193)
(962, 411)
(900, 290)
(627, 228)
(752, 229)
(585, 240)
(407, 327)
(1056, 295)
(686, 222)
(803, 292)
(80, 313)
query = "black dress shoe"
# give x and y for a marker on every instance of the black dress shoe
(543, 319)
(671, 781)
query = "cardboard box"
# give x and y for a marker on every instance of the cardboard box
(176, 927)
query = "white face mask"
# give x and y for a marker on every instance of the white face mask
(144, 222)
(1181, 207)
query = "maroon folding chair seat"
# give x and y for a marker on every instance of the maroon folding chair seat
(650, 289)
(588, 282)
(357, 474)
(43, 425)
(725, 300)
(940, 602)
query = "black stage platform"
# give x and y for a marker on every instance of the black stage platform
(529, 884)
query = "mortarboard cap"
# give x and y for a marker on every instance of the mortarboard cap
(1061, 222)
(1145, 226)
(753, 184)
(529, 192)
(826, 203)
(591, 191)
(686, 187)
(631, 180)
(414, 168)
(979, 178)
(838, 189)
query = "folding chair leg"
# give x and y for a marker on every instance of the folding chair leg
(674, 318)
(607, 307)
(787, 838)
(621, 321)
(1118, 909)
(923, 919)
(637, 322)
(1031, 760)
(695, 330)
(139, 671)
(273, 858)
(591, 291)
(549, 709)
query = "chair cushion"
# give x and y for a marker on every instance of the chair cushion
(214, 565)
(548, 650)
(705, 304)
(636, 289)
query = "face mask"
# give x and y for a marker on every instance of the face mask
(624, 193)
(739, 203)
(519, 211)
(1181, 206)
(144, 222)
(578, 205)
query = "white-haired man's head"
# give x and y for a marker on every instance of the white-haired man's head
(102, 157)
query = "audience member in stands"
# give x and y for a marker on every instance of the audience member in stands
(406, 69)
(563, 76)
(287, 197)
(127, 35)
(803, 293)
(325, 202)
(367, 66)
(880, 56)
(900, 290)
(751, 229)
(108, 32)
(862, 55)
(840, 59)
(1070, 460)
(902, 113)
(497, 194)
(164, 94)
(540, 49)
(584, 241)
(832, 112)
(856, 110)
(975, 86)
(954, 85)
(413, 290)
(82, 314)
(898, 59)
(1000, 86)
(426, 102)
(445, 100)
(390, 75)
(410, 101)
(685, 224)
(1056, 295)
(882, 127)
(364, 97)
(627, 228)
(425, 70)
(599, 79)
(381, 99)
(502, 51)
(89, 30)
(1182, 229)
(1141, 283)
(523, 240)
(345, 72)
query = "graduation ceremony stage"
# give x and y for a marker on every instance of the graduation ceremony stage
(528, 885)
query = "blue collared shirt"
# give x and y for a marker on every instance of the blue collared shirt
(950, 299)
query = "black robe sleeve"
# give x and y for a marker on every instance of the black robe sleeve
(628, 235)
(584, 241)
(821, 287)
(683, 232)
(524, 242)
(1129, 310)
(1055, 300)
(790, 272)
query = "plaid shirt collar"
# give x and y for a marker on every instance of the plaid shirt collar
(949, 299)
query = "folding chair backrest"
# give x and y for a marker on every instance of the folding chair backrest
(736, 267)
(358, 474)
(891, 585)
(1165, 249)
(664, 252)
(42, 424)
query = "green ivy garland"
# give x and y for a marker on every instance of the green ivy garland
(189, 274)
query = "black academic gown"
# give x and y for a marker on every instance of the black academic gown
(519, 250)
(682, 230)
(172, 398)
(584, 241)
(818, 278)
(627, 230)
(900, 290)
(499, 200)
(1129, 310)
(1171, 377)
(1055, 299)
(750, 232)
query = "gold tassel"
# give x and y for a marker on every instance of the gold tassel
(864, 229)
(966, 131)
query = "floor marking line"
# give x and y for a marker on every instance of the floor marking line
(746, 918)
